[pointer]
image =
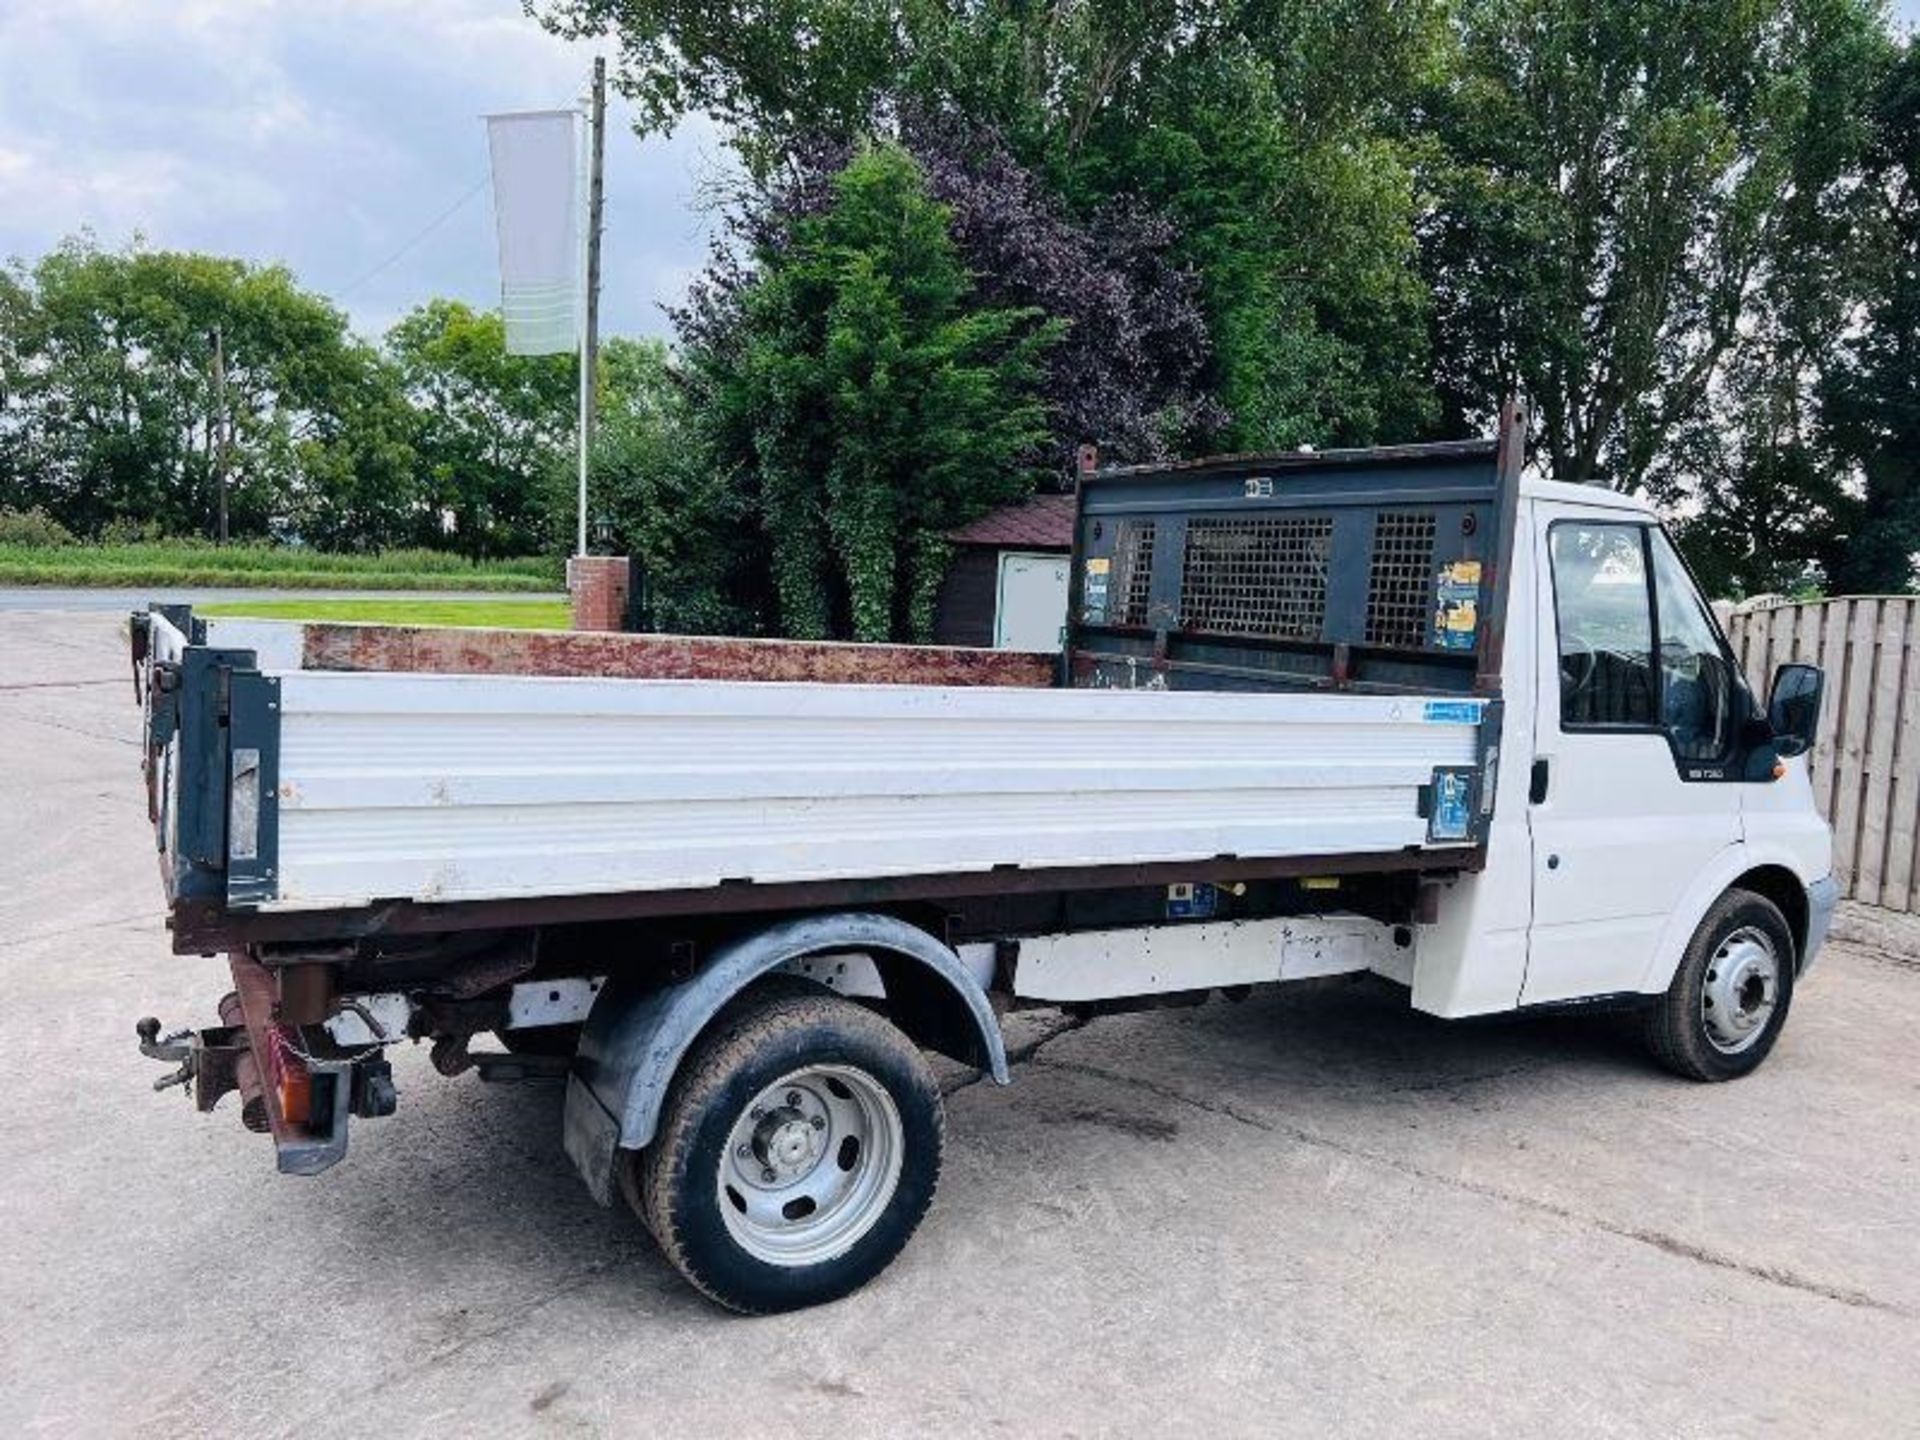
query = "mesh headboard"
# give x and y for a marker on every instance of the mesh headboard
(1368, 569)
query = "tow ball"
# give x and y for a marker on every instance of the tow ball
(209, 1063)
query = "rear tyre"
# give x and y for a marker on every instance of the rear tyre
(798, 1150)
(1722, 1013)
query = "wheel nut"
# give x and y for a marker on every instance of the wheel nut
(755, 1113)
(819, 1122)
(793, 1098)
(744, 1151)
(768, 1176)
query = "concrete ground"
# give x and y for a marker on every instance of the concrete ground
(1316, 1213)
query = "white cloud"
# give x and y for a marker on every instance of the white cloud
(324, 136)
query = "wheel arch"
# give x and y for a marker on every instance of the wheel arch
(636, 1038)
(1784, 889)
(1738, 867)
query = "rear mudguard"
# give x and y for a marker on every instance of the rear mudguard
(636, 1037)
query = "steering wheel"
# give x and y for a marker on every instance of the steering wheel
(1578, 659)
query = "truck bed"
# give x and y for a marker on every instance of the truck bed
(322, 792)
(1272, 666)
(439, 788)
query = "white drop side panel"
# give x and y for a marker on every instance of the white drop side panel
(436, 787)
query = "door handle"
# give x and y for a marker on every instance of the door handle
(1538, 781)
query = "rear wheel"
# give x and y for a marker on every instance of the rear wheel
(798, 1150)
(1729, 998)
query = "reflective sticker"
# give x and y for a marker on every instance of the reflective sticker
(1452, 712)
(1093, 590)
(1456, 605)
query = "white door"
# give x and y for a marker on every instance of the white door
(1031, 606)
(1635, 726)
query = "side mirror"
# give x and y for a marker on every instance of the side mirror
(1793, 707)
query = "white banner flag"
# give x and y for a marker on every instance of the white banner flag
(536, 208)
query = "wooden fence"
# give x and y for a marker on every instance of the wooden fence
(1866, 763)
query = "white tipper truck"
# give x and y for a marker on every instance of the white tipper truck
(1395, 711)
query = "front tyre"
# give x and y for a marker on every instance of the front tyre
(798, 1150)
(1729, 998)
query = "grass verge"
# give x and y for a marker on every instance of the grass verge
(189, 563)
(497, 614)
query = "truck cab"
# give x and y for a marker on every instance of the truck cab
(1645, 780)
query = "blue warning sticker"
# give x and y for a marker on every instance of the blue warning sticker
(1453, 712)
(1191, 902)
(1452, 805)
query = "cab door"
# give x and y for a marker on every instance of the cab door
(1634, 783)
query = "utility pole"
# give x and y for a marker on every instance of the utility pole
(590, 333)
(220, 427)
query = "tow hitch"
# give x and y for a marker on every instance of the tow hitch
(211, 1062)
(294, 1083)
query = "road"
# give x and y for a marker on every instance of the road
(1312, 1214)
(120, 602)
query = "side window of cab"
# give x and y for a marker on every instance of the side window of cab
(1638, 648)
(1700, 693)
(1605, 618)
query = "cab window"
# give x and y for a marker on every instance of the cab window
(1605, 619)
(1696, 679)
(1638, 647)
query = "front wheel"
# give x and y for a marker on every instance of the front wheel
(798, 1150)
(1729, 998)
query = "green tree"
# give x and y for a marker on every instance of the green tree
(1267, 132)
(361, 484)
(1615, 183)
(1297, 208)
(691, 528)
(1871, 400)
(492, 427)
(1779, 482)
(868, 406)
(112, 405)
(16, 304)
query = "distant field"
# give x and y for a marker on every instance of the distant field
(177, 563)
(498, 614)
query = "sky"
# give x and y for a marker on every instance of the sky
(341, 138)
(326, 135)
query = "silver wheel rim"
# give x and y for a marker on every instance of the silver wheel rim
(810, 1165)
(1740, 990)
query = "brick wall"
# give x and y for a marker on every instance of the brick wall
(597, 585)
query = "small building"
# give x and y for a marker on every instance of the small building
(1007, 588)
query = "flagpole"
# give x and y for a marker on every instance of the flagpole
(590, 329)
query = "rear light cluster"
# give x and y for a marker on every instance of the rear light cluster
(292, 1082)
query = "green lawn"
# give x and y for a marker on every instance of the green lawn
(175, 562)
(499, 614)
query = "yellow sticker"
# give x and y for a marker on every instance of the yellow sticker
(1099, 565)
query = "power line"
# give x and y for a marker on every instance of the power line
(426, 230)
